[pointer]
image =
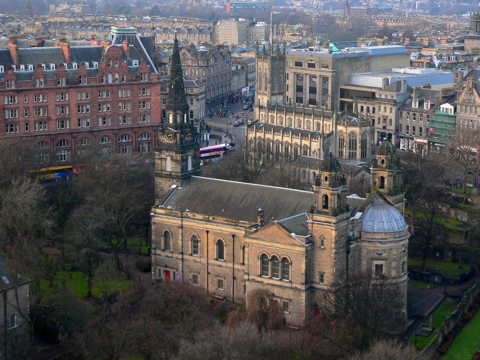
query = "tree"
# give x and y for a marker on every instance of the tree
(424, 191)
(262, 311)
(462, 156)
(388, 349)
(371, 302)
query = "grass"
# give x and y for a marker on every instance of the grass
(77, 282)
(438, 317)
(420, 284)
(446, 221)
(467, 342)
(138, 245)
(447, 268)
(460, 191)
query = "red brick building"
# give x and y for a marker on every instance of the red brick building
(59, 102)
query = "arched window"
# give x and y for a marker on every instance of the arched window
(285, 269)
(275, 267)
(382, 182)
(341, 146)
(325, 202)
(195, 243)
(404, 266)
(167, 241)
(220, 250)
(264, 265)
(168, 164)
(352, 146)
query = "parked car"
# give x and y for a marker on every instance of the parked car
(238, 122)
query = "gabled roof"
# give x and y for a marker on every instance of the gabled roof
(296, 225)
(238, 200)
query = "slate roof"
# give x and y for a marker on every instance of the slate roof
(41, 55)
(88, 54)
(9, 278)
(238, 200)
(5, 57)
(296, 224)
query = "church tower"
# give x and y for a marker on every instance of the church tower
(346, 9)
(330, 188)
(28, 11)
(386, 175)
(329, 226)
(270, 76)
(177, 152)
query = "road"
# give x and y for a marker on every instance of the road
(226, 123)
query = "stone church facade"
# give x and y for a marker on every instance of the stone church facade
(231, 238)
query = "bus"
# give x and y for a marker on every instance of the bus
(212, 152)
(52, 173)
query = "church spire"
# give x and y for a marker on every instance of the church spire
(176, 93)
(28, 11)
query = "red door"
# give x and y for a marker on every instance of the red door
(167, 276)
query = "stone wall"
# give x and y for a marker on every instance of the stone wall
(451, 321)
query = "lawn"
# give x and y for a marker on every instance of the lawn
(448, 222)
(467, 342)
(421, 284)
(439, 316)
(78, 283)
(447, 268)
(139, 245)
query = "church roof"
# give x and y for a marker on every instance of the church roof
(296, 224)
(382, 217)
(330, 163)
(238, 200)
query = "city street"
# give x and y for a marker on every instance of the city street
(220, 125)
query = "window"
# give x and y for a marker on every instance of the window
(321, 277)
(311, 65)
(285, 269)
(63, 124)
(404, 266)
(275, 267)
(298, 64)
(195, 279)
(220, 284)
(195, 245)
(220, 250)
(286, 307)
(63, 110)
(167, 241)
(322, 242)
(63, 96)
(84, 122)
(13, 321)
(378, 269)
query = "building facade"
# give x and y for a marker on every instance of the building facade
(212, 65)
(231, 238)
(65, 101)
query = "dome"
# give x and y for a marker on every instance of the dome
(387, 148)
(330, 164)
(380, 217)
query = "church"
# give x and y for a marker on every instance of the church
(231, 238)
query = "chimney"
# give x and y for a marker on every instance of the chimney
(260, 215)
(38, 41)
(66, 49)
(384, 83)
(13, 48)
(403, 86)
(126, 48)
(414, 96)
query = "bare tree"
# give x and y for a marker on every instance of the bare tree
(462, 155)
(371, 302)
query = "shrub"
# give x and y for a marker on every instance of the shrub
(144, 265)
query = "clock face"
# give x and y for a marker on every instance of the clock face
(188, 136)
(169, 136)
